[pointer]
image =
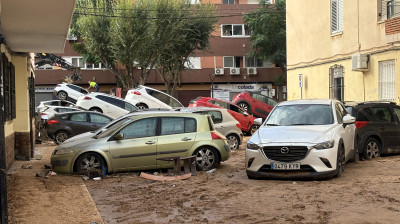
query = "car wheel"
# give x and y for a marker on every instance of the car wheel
(60, 137)
(141, 106)
(253, 129)
(206, 158)
(233, 141)
(341, 159)
(244, 106)
(96, 109)
(62, 95)
(372, 148)
(89, 162)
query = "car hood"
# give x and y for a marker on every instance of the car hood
(295, 134)
(85, 136)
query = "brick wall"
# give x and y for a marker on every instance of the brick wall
(392, 26)
(22, 146)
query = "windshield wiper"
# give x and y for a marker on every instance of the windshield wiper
(272, 124)
(300, 124)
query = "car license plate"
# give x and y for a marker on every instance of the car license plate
(285, 166)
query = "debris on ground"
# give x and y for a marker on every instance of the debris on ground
(212, 170)
(27, 166)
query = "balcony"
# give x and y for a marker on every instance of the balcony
(392, 9)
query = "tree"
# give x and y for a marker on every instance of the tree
(268, 34)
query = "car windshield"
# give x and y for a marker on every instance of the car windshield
(301, 114)
(109, 129)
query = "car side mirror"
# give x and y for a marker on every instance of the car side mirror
(348, 119)
(119, 136)
(258, 121)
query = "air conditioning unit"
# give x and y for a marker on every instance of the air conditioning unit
(360, 62)
(251, 71)
(219, 71)
(235, 71)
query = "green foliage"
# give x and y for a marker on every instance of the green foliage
(268, 27)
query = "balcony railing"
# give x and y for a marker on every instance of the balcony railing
(392, 9)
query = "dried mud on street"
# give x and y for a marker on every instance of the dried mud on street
(366, 193)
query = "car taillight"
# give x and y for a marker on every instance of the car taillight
(136, 92)
(216, 136)
(43, 114)
(87, 98)
(360, 124)
(239, 126)
(50, 122)
(58, 85)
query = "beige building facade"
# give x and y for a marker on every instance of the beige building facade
(343, 49)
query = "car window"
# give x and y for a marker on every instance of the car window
(175, 103)
(397, 113)
(216, 116)
(177, 125)
(99, 118)
(130, 107)
(64, 104)
(140, 128)
(220, 103)
(235, 109)
(76, 88)
(78, 117)
(113, 101)
(260, 97)
(111, 128)
(62, 110)
(301, 114)
(272, 102)
(362, 114)
(340, 112)
(382, 113)
(54, 103)
(159, 95)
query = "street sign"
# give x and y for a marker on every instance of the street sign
(300, 80)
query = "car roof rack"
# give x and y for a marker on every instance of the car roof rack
(378, 101)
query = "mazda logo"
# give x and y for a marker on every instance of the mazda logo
(285, 150)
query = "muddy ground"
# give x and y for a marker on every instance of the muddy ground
(368, 192)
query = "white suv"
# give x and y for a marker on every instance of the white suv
(66, 91)
(302, 138)
(145, 97)
(104, 103)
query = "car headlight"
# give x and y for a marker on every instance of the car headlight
(324, 145)
(63, 151)
(253, 146)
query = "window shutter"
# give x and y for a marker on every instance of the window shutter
(340, 15)
(12, 91)
(334, 13)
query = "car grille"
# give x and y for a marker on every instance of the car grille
(295, 153)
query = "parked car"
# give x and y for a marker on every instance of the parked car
(302, 138)
(136, 142)
(65, 125)
(377, 127)
(246, 120)
(145, 97)
(63, 103)
(104, 103)
(49, 111)
(254, 103)
(66, 91)
(224, 123)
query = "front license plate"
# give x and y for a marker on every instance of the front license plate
(285, 166)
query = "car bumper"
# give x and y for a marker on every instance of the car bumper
(62, 163)
(315, 164)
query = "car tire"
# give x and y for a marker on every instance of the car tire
(253, 129)
(62, 95)
(244, 106)
(96, 109)
(89, 162)
(206, 158)
(60, 137)
(141, 106)
(372, 148)
(341, 159)
(233, 141)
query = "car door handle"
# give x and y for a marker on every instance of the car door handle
(150, 142)
(186, 139)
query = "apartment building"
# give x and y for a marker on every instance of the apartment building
(224, 69)
(343, 49)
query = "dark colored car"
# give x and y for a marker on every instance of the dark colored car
(377, 127)
(255, 103)
(62, 126)
(246, 120)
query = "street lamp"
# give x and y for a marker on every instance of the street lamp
(212, 78)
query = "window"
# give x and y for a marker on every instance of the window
(8, 86)
(397, 113)
(77, 88)
(336, 82)
(78, 117)
(336, 16)
(387, 83)
(382, 114)
(177, 125)
(392, 8)
(259, 63)
(231, 62)
(99, 118)
(129, 107)
(141, 128)
(232, 30)
(216, 116)
(78, 61)
(193, 63)
(219, 103)
(226, 2)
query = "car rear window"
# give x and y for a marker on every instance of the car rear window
(177, 125)
(382, 113)
(362, 115)
(210, 123)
